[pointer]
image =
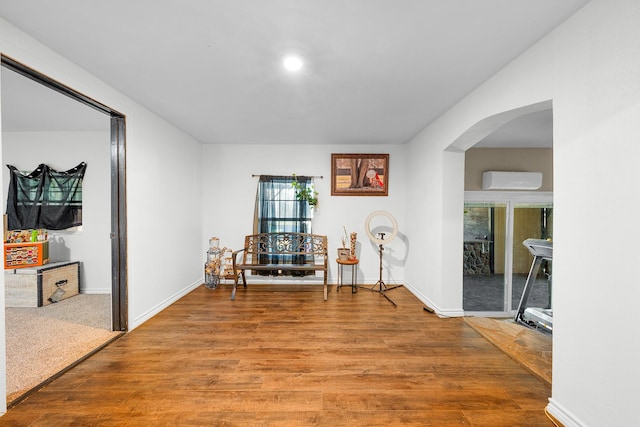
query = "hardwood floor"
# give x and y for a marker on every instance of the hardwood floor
(281, 356)
(529, 347)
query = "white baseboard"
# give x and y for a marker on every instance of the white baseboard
(441, 312)
(164, 304)
(94, 291)
(561, 414)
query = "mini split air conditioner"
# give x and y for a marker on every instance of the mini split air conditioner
(495, 180)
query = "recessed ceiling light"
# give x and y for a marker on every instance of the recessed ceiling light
(292, 63)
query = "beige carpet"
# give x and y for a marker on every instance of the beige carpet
(43, 341)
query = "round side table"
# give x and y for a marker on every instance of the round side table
(354, 273)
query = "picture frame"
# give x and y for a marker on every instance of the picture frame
(359, 174)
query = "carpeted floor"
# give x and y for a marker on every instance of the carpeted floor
(42, 341)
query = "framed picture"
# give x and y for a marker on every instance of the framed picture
(359, 174)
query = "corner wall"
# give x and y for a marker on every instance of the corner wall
(589, 68)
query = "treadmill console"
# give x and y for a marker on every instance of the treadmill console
(540, 248)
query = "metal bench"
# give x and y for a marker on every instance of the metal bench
(277, 252)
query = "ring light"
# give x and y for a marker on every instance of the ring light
(382, 287)
(394, 228)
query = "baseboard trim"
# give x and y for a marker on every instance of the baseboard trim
(164, 304)
(439, 311)
(562, 415)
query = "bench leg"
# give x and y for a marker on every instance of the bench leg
(325, 285)
(235, 284)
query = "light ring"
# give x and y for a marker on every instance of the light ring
(394, 230)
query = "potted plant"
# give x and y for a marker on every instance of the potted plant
(305, 193)
(344, 251)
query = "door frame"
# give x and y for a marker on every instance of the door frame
(119, 312)
(509, 199)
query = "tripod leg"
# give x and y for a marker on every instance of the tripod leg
(380, 283)
(389, 299)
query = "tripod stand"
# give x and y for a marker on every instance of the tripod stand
(382, 287)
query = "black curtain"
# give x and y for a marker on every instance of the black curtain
(279, 210)
(45, 198)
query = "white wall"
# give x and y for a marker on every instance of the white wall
(163, 186)
(230, 193)
(62, 151)
(589, 68)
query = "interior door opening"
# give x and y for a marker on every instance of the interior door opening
(495, 261)
(117, 158)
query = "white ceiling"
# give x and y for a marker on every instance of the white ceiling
(30, 106)
(376, 71)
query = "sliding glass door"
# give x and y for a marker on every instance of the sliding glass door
(531, 221)
(483, 256)
(495, 263)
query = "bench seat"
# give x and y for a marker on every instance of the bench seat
(259, 249)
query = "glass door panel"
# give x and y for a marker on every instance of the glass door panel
(531, 221)
(484, 269)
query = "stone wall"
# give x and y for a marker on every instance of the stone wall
(477, 257)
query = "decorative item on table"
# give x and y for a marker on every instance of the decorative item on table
(344, 252)
(354, 240)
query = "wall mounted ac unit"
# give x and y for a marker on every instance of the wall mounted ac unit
(496, 180)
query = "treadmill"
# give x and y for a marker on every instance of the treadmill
(535, 316)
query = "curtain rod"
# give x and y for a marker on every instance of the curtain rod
(313, 176)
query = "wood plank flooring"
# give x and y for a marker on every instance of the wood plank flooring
(281, 356)
(531, 348)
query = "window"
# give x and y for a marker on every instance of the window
(277, 207)
(45, 198)
(279, 210)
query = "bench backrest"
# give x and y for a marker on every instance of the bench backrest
(260, 246)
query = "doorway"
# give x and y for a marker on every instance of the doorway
(117, 196)
(87, 330)
(495, 262)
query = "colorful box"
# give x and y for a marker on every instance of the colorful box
(26, 254)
